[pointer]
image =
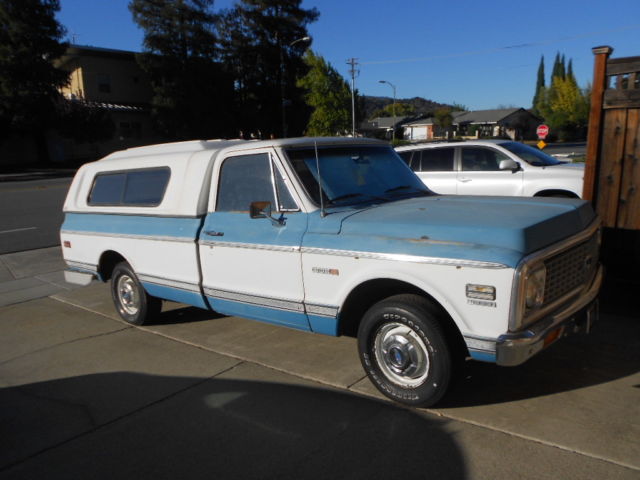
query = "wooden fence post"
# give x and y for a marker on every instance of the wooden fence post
(595, 120)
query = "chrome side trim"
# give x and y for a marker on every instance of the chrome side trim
(95, 211)
(166, 282)
(322, 310)
(394, 257)
(89, 267)
(158, 238)
(251, 246)
(277, 303)
(480, 344)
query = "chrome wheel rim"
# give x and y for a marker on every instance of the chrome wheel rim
(128, 295)
(401, 354)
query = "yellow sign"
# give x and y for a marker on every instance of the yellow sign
(541, 144)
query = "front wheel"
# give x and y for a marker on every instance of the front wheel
(403, 349)
(133, 303)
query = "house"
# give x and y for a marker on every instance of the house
(514, 123)
(381, 127)
(424, 129)
(112, 81)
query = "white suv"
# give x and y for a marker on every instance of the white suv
(492, 167)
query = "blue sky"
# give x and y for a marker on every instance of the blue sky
(478, 54)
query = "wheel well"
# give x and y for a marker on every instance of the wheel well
(365, 295)
(108, 260)
(556, 193)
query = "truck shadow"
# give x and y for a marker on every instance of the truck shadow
(610, 352)
(130, 425)
(178, 313)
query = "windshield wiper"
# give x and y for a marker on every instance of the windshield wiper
(406, 187)
(357, 194)
(345, 196)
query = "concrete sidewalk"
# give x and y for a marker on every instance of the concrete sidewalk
(31, 274)
(195, 395)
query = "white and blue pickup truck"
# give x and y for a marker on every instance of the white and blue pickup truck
(336, 236)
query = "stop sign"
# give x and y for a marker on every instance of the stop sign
(542, 131)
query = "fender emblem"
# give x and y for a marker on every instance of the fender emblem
(326, 271)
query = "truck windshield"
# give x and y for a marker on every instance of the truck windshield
(355, 174)
(531, 155)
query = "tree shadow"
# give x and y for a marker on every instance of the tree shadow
(126, 425)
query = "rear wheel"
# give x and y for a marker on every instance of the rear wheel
(132, 302)
(404, 350)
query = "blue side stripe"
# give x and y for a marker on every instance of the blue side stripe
(175, 295)
(133, 225)
(295, 320)
(483, 356)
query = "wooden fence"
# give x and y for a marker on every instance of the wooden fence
(612, 173)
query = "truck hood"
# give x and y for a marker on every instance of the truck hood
(493, 229)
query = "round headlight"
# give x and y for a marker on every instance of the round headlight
(534, 287)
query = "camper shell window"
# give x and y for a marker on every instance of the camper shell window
(132, 188)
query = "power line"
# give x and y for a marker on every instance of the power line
(498, 49)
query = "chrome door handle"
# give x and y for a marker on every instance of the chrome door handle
(212, 233)
(464, 180)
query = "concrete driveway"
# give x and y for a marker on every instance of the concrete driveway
(84, 395)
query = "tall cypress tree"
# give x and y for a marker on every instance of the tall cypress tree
(556, 72)
(30, 39)
(540, 84)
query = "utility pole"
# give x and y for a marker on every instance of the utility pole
(353, 62)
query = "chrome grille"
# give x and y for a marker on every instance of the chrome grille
(571, 269)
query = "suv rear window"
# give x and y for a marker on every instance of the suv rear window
(437, 160)
(134, 188)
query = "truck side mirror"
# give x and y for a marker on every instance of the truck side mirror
(263, 210)
(509, 164)
(260, 210)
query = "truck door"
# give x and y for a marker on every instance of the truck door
(251, 267)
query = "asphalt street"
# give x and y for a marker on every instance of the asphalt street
(31, 213)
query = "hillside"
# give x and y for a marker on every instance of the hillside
(421, 105)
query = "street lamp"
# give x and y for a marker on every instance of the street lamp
(393, 128)
(283, 100)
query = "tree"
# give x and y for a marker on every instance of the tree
(401, 110)
(262, 49)
(328, 95)
(30, 38)
(191, 93)
(539, 86)
(444, 120)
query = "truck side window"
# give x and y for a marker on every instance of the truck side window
(131, 188)
(286, 201)
(245, 179)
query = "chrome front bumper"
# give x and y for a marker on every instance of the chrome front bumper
(576, 317)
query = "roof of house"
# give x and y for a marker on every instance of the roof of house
(76, 51)
(484, 116)
(383, 122)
